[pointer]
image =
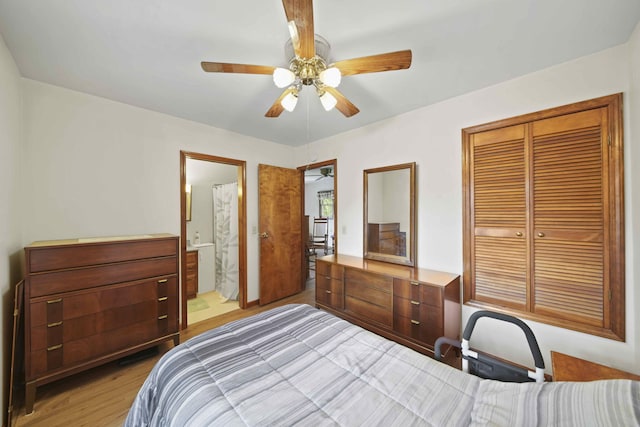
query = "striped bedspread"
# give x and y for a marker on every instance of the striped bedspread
(296, 365)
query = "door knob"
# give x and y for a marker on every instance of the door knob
(264, 235)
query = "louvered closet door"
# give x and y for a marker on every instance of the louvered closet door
(499, 216)
(569, 216)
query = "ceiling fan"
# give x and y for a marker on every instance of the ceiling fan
(308, 53)
(324, 173)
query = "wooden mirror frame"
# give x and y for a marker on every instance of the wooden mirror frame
(409, 258)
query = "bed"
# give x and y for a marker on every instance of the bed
(297, 365)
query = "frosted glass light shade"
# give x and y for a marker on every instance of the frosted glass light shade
(328, 101)
(289, 102)
(283, 77)
(331, 77)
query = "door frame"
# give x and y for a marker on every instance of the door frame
(334, 164)
(242, 226)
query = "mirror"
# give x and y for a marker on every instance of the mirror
(389, 214)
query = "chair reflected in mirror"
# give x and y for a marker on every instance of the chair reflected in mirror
(320, 235)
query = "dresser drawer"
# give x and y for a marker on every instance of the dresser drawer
(91, 277)
(71, 328)
(406, 307)
(365, 310)
(417, 291)
(329, 270)
(328, 297)
(375, 296)
(330, 291)
(431, 295)
(426, 326)
(368, 280)
(390, 226)
(192, 259)
(409, 289)
(81, 255)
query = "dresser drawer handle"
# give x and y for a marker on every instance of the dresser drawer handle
(54, 301)
(415, 322)
(163, 317)
(327, 291)
(162, 298)
(415, 283)
(51, 325)
(415, 302)
(54, 347)
(163, 280)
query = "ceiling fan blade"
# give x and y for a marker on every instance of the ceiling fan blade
(344, 105)
(277, 108)
(300, 12)
(399, 60)
(222, 67)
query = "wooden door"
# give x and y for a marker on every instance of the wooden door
(499, 218)
(569, 192)
(280, 210)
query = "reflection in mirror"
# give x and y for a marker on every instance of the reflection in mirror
(389, 214)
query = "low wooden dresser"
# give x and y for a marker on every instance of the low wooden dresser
(91, 301)
(570, 368)
(409, 305)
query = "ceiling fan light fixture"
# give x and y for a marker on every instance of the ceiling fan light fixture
(331, 77)
(289, 101)
(328, 101)
(283, 77)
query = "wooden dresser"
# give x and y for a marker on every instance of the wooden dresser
(570, 368)
(409, 305)
(387, 238)
(91, 301)
(192, 274)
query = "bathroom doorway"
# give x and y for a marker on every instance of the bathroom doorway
(213, 236)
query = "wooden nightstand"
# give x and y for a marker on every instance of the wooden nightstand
(569, 368)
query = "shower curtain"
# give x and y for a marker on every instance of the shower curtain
(225, 225)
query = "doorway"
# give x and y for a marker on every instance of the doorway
(320, 213)
(213, 257)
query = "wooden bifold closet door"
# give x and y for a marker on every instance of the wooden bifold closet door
(543, 217)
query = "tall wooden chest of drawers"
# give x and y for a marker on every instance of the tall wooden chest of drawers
(409, 305)
(91, 301)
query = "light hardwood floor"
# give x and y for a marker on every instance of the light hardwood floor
(102, 396)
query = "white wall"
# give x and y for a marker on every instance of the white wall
(99, 168)
(632, 199)
(431, 136)
(201, 213)
(202, 175)
(10, 202)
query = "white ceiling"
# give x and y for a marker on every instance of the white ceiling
(147, 53)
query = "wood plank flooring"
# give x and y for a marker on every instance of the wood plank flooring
(102, 396)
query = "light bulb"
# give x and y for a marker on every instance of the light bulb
(289, 102)
(283, 77)
(331, 77)
(328, 101)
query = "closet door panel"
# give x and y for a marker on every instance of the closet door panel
(569, 216)
(499, 250)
